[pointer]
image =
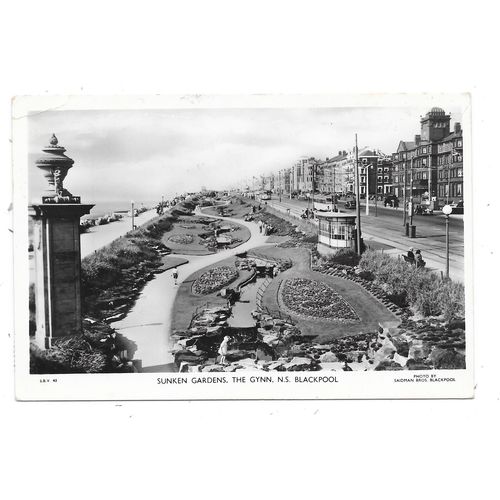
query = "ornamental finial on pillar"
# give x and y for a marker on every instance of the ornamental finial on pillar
(55, 165)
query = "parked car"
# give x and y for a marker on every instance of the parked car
(392, 200)
(302, 197)
(457, 208)
(423, 210)
(350, 204)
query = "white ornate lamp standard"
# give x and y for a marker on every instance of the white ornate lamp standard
(447, 211)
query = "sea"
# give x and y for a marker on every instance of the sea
(108, 207)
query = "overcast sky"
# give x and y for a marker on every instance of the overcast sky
(144, 154)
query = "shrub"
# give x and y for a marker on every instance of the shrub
(69, 355)
(408, 285)
(346, 257)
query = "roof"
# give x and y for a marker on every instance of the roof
(336, 158)
(335, 215)
(453, 135)
(367, 152)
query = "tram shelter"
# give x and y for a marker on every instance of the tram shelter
(336, 231)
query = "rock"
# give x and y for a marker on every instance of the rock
(457, 323)
(413, 364)
(385, 352)
(298, 364)
(335, 367)
(212, 368)
(328, 357)
(115, 317)
(238, 354)
(419, 350)
(400, 360)
(297, 349)
(401, 345)
(271, 339)
(388, 365)
(355, 356)
(446, 359)
(247, 363)
(190, 356)
(359, 367)
(276, 365)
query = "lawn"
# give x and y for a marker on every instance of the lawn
(186, 302)
(236, 210)
(184, 237)
(370, 311)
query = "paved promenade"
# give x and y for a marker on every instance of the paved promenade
(99, 236)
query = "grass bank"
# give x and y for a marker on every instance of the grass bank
(111, 280)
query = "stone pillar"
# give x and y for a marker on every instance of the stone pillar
(57, 253)
(58, 269)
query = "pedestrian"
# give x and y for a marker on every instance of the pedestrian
(175, 275)
(420, 262)
(411, 256)
(260, 226)
(223, 349)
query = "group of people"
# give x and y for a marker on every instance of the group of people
(264, 228)
(415, 258)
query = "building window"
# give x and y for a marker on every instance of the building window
(460, 172)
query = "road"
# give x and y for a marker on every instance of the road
(386, 228)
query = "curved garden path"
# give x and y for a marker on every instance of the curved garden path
(148, 322)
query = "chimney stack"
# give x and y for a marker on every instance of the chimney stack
(417, 139)
(458, 128)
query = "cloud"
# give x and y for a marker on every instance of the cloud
(144, 154)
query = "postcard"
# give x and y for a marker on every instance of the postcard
(243, 247)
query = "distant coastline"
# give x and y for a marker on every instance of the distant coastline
(109, 207)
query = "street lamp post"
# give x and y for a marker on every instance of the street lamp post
(279, 184)
(411, 193)
(133, 214)
(358, 208)
(404, 195)
(367, 174)
(447, 211)
(313, 172)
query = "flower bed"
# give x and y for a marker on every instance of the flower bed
(215, 279)
(315, 299)
(181, 239)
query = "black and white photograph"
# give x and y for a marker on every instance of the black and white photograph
(249, 249)
(256, 239)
